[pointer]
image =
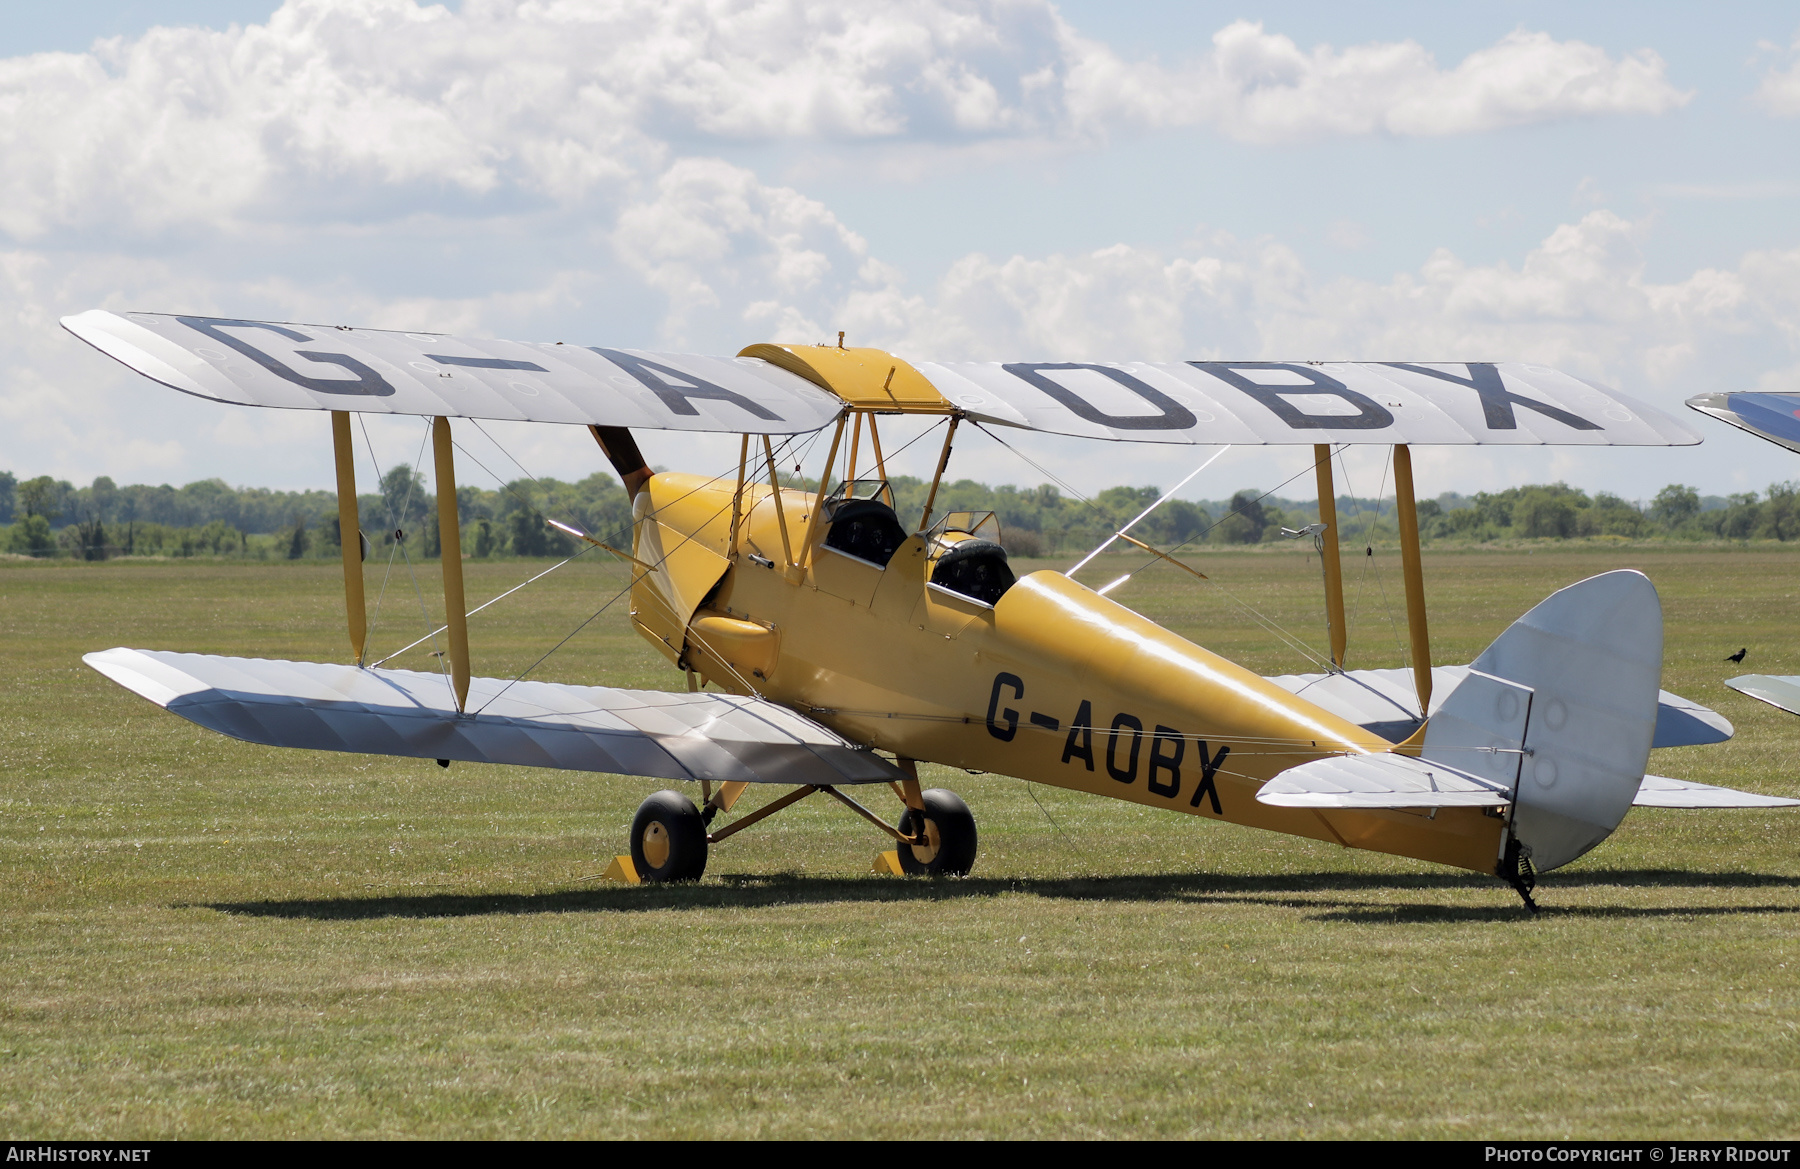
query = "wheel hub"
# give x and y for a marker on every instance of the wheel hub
(656, 844)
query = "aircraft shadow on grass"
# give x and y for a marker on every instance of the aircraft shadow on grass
(1276, 891)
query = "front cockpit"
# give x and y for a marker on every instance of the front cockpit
(863, 522)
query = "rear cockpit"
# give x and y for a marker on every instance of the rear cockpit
(968, 558)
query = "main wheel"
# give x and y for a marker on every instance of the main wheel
(950, 831)
(668, 839)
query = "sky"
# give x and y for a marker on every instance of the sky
(1610, 189)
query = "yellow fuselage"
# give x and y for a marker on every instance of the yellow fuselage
(1054, 684)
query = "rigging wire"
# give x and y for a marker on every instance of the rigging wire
(400, 543)
(1269, 624)
(632, 583)
(1369, 558)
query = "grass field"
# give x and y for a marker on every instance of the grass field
(207, 939)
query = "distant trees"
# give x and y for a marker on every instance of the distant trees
(1674, 505)
(51, 517)
(1245, 520)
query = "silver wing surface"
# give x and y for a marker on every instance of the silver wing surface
(1775, 417)
(1273, 402)
(328, 367)
(326, 707)
(1659, 791)
(1780, 691)
(1398, 781)
(1385, 701)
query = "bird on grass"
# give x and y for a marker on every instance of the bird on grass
(1738, 656)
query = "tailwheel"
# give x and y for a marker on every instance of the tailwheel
(949, 833)
(668, 839)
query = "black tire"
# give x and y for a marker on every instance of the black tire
(951, 825)
(668, 828)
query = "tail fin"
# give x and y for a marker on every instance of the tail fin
(1592, 656)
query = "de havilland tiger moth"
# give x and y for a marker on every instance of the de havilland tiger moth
(847, 643)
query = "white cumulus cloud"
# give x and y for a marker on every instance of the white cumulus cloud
(360, 108)
(1779, 91)
(1261, 86)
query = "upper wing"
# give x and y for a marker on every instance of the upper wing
(322, 367)
(1775, 417)
(1271, 402)
(327, 707)
(794, 389)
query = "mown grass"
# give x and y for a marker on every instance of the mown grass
(203, 938)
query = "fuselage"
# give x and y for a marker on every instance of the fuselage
(1052, 683)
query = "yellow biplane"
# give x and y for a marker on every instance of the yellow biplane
(847, 644)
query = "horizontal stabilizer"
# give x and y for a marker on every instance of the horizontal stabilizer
(1470, 759)
(1385, 702)
(1659, 791)
(327, 707)
(375, 371)
(1397, 781)
(1775, 689)
(1381, 781)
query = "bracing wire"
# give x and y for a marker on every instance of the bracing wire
(1268, 624)
(399, 544)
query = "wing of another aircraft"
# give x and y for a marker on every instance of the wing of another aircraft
(328, 367)
(326, 707)
(1775, 417)
(1293, 402)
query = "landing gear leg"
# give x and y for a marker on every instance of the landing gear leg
(1515, 869)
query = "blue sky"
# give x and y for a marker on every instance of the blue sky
(1612, 189)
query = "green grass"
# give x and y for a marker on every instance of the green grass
(205, 938)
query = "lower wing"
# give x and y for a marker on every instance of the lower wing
(327, 707)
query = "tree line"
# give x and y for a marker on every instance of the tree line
(46, 517)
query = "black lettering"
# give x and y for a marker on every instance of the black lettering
(1048, 722)
(676, 394)
(1371, 415)
(1169, 763)
(1172, 414)
(1496, 400)
(1011, 715)
(1129, 772)
(368, 383)
(1081, 736)
(485, 362)
(1208, 769)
